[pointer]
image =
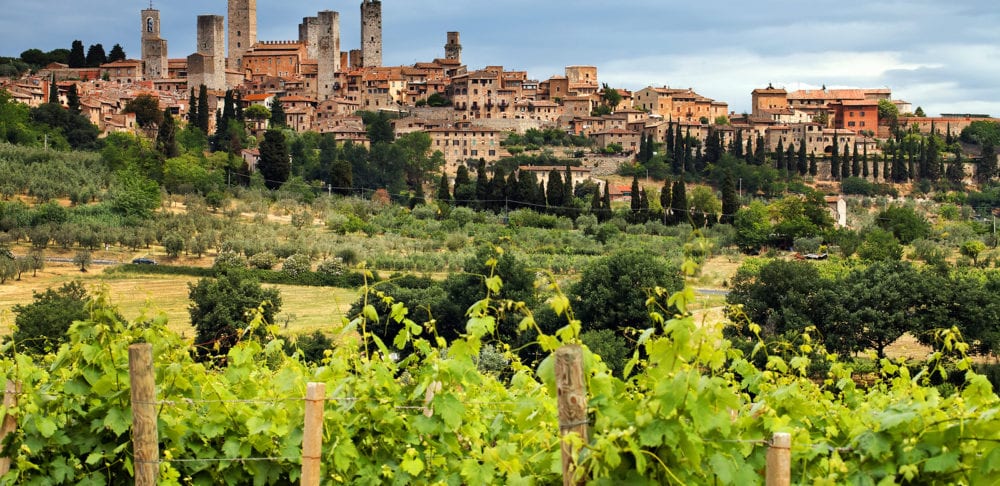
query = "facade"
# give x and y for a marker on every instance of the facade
(242, 30)
(463, 142)
(679, 104)
(768, 99)
(371, 33)
(309, 35)
(123, 72)
(275, 58)
(154, 48)
(208, 64)
(855, 115)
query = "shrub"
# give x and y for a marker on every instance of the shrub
(333, 266)
(229, 260)
(43, 323)
(264, 260)
(347, 255)
(807, 245)
(296, 264)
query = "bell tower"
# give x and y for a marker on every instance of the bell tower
(154, 49)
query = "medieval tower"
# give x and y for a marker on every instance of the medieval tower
(328, 53)
(242, 30)
(371, 33)
(453, 49)
(309, 35)
(208, 65)
(154, 49)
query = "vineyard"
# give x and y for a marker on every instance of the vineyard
(691, 410)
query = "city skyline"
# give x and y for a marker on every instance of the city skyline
(933, 55)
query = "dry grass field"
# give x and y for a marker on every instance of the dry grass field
(304, 309)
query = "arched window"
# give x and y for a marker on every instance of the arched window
(149, 24)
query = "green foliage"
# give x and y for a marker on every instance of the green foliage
(133, 195)
(274, 165)
(146, 109)
(222, 310)
(880, 245)
(982, 132)
(41, 325)
(612, 290)
(904, 223)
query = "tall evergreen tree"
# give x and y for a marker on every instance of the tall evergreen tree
(482, 184)
(278, 117)
(238, 105)
(790, 160)
(116, 54)
(779, 155)
(933, 149)
(678, 202)
(855, 163)
(77, 58)
(864, 163)
(956, 169)
(803, 162)
(193, 108)
(444, 193)
(166, 136)
(465, 190)
(813, 168)
(643, 214)
(568, 196)
(748, 156)
(274, 165)
(760, 152)
(606, 202)
(713, 146)
(835, 158)
(730, 199)
(886, 168)
(53, 91)
(670, 140)
(203, 111)
(341, 176)
(635, 198)
(554, 190)
(96, 56)
(665, 199)
(737, 149)
(595, 203)
(987, 168)
(73, 99)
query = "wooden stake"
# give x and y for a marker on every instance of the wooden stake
(9, 420)
(312, 434)
(779, 460)
(572, 396)
(145, 441)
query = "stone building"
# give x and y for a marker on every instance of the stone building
(679, 104)
(242, 30)
(274, 58)
(453, 48)
(371, 33)
(327, 54)
(309, 35)
(208, 64)
(154, 48)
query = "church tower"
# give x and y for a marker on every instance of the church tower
(208, 65)
(242, 31)
(371, 33)
(327, 53)
(453, 49)
(154, 49)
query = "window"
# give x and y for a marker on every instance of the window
(862, 123)
(850, 124)
(149, 24)
(862, 114)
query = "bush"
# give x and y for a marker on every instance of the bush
(42, 324)
(347, 255)
(229, 260)
(857, 186)
(807, 245)
(264, 260)
(610, 346)
(331, 267)
(296, 264)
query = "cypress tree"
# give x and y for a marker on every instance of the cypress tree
(53, 91)
(278, 118)
(606, 202)
(595, 203)
(748, 156)
(554, 190)
(229, 106)
(738, 144)
(760, 154)
(864, 163)
(987, 169)
(730, 199)
(568, 196)
(482, 185)
(238, 106)
(443, 192)
(670, 140)
(665, 200)
(341, 176)
(956, 169)
(73, 99)
(274, 165)
(779, 155)
(835, 159)
(166, 134)
(635, 199)
(116, 54)
(803, 165)
(193, 108)
(790, 160)
(643, 214)
(886, 168)
(855, 163)
(96, 56)
(464, 190)
(203, 111)
(813, 169)
(678, 202)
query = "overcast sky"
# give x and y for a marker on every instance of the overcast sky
(941, 55)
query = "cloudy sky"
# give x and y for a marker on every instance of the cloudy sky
(941, 55)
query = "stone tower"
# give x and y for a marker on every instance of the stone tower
(371, 33)
(328, 53)
(242, 30)
(309, 35)
(208, 65)
(154, 49)
(453, 49)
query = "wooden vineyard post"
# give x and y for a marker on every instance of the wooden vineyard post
(145, 441)
(572, 399)
(779, 460)
(9, 420)
(312, 434)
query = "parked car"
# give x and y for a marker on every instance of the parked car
(143, 261)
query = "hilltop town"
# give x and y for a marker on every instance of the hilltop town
(466, 111)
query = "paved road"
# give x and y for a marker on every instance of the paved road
(712, 291)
